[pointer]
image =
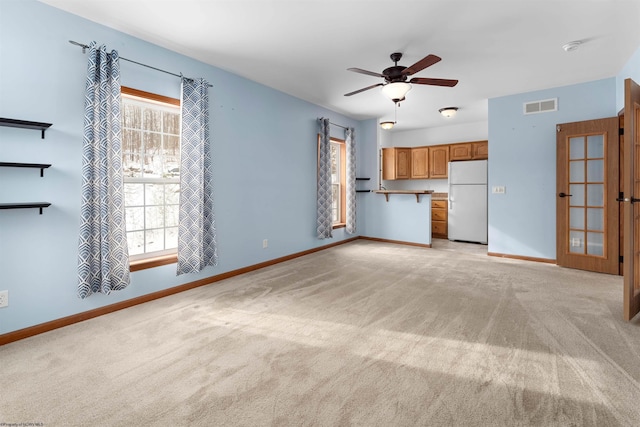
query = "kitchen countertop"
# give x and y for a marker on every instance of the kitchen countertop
(439, 196)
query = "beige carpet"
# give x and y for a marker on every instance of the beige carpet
(366, 334)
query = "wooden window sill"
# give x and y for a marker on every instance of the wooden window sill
(339, 225)
(143, 264)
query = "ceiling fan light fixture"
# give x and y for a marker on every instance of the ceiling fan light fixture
(448, 111)
(387, 125)
(396, 91)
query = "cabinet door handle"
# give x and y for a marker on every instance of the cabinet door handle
(564, 195)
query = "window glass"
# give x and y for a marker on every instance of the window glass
(151, 163)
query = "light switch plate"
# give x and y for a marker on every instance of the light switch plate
(499, 190)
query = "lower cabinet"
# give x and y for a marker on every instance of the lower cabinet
(439, 225)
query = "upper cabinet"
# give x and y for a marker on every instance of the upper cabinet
(420, 163)
(460, 151)
(438, 161)
(429, 162)
(480, 150)
(476, 150)
(396, 163)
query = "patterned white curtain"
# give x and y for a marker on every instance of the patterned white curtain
(350, 141)
(324, 193)
(103, 258)
(197, 246)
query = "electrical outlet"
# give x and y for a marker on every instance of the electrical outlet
(4, 298)
(265, 243)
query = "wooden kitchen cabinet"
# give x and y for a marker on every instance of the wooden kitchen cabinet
(439, 161)
(439, 216)
(480, 150)
(460, 151)
(396, 163)
(420, 163)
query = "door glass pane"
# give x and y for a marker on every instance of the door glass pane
(595, 195)
(595, 219)
(576, 218)
(576, 242)
(595, 244)
(577, 195)
(595, 170)
(595, 146)
(576, 171)
(576, 148)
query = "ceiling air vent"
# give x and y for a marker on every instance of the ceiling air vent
(543, 106)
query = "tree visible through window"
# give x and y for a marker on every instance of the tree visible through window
(151, 163)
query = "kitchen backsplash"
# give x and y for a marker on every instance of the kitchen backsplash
(437, 185)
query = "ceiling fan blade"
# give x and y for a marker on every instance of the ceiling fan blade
(368, 73)
(425, 62)
(433, 82)
(363, 89)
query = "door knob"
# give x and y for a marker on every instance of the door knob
(564, 195)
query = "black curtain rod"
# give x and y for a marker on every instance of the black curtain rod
(85, 47)
(331, 123)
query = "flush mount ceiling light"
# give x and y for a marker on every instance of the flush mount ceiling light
(396, 91)
(387, 125)
(571, 46)
(448, 111)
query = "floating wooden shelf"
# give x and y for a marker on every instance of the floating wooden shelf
(39, 205)
(417, 193)
(41, 166)
(363, 191)
(25, 124)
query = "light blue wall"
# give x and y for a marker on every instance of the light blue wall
(264, 151)
(630, 70)
(402, 218)
(522, 157)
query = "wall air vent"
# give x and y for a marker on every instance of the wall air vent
(544, 106)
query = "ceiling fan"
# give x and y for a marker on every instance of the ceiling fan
(395, 85)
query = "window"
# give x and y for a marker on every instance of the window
(151, 163)
(338, 181)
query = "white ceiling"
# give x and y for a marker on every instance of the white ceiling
(304, 47)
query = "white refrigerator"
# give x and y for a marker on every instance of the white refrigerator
(468, 201)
